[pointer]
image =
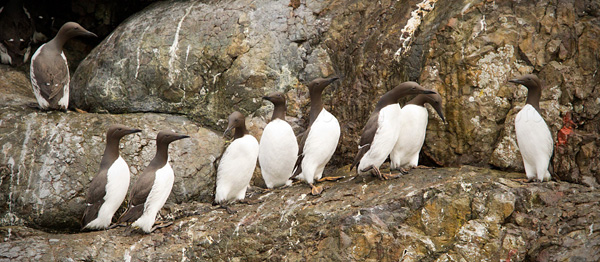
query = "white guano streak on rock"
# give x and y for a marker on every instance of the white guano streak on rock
(175, 46)
(187, 53)
(24, 150)
(495, 69)
(137, 68)
(416, 17)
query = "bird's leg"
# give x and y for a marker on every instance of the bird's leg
(330, 178)
(250, 202)
(521, 180)
(79, 110)
(404, 171)
(228, 209)
(423, 167)
(390, 176)
(129, 230)
(117, 225)
(316, 190)
(161, 225)
(374, 171)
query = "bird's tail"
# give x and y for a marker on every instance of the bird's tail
(132, 214)
(90, 213)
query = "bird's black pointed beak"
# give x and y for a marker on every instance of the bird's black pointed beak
(88, 33)
(333, 78)
(440, 111)
(181, 137)
(135, 131)
(227, 131)
(516, 81)
(266, 98)
(442, 116)
(428, 92)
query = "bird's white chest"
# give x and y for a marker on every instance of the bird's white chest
(236, 167)
(163, 180)
(387, 126)
(384, 138)
(533, 135)
(278, 152)
(118, 178)
(324, 133)
(278, 140)
(412, 125)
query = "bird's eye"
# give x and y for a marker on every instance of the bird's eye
(119, 129)
(413, 88)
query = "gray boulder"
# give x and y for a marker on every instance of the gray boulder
(203, 59)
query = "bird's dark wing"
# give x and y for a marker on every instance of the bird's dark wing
(298, 166)
(95, 197)
(51, 75)
(366, 138)
(138, 195)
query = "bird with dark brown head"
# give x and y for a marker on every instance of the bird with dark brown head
(320, 138)
(109, 187)
(278, 149)
(153, 187)
(533, 135)
(49, 70)
(237, 163)
(412, 128)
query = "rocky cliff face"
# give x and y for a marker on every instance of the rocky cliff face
(466, 214)
(204, 59)
(49, 158)
(185, 65)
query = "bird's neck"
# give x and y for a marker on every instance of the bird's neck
(316, 105)
(278, 112)
(533, 97)
(162, 155)
(58, 42)
(418, 100)
(240, 131)
(111, 152)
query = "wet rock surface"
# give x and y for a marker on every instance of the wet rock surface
(446, 214)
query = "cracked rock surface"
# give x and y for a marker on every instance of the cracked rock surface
(48, 159)
(185, 65)
(444, 214)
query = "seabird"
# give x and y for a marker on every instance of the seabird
(151, 190)
(49, 71)
(320, 138)
(109, 187)
(16, 33)
(533, 135)
(278, 150)
(412, 125)
(237, 163)
(381, 131)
